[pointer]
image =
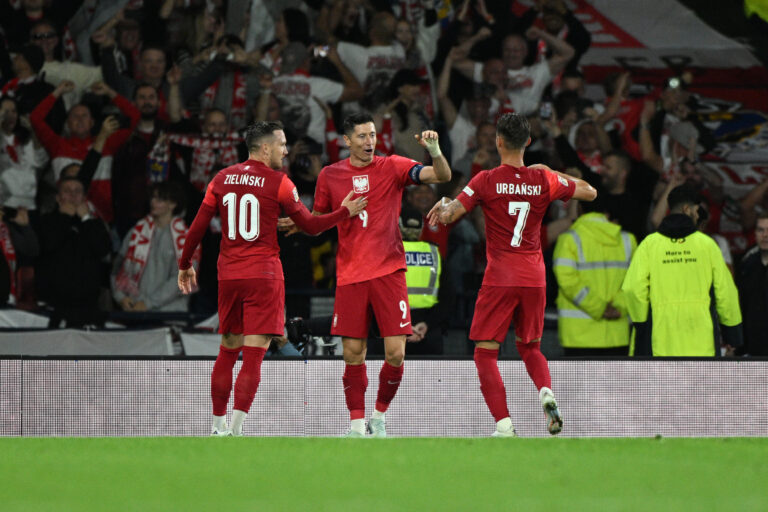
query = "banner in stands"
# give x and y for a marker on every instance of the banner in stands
(655, 39)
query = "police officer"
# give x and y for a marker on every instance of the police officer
(422, 277)
(590, 261)
(668, 287)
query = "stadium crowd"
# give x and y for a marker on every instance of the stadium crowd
(115, 116)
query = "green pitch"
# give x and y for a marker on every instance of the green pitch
(392, 475)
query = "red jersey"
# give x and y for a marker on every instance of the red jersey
(249, 197)
(370, 245)
(514, 202)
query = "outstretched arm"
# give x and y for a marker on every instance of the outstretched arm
(584, 191)
(301, 220)
(446, 211)
(314, 224)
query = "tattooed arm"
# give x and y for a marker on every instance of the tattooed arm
(446, 211)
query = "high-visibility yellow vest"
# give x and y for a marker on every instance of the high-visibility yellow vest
(759, 7)
(423, 273)
(674, 277)
(590, 261)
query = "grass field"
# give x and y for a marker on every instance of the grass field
(367, 475)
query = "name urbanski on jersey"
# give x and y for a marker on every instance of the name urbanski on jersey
(518, 188)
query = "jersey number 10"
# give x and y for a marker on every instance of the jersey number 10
(243, 214)
(520, 209)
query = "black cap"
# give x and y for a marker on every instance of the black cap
(34, 56)
(410, 218)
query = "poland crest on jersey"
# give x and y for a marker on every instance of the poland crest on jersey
(360, 184)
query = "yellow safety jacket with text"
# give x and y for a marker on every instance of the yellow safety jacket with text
(668, 286)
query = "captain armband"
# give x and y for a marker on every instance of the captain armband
(415, 172)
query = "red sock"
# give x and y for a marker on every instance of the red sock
(535, 363)
(491, 384)
(389, 381)
(249, 377)
(355, 383)
(221, 379)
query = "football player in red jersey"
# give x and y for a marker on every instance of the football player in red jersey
(514, 199)
(371, 260)
(249, 197)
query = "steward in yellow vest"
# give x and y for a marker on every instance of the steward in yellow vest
(590, 261)
(669, 283)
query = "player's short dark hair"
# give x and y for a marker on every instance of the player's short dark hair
(514, 130)
(624, 159)
(170, 191)
(683, 195)
(355, 119)
(259, 131)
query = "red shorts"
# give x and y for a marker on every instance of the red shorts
(251, 306)
(386, 297)
(496, 306)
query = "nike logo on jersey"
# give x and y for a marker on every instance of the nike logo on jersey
(393, 382)
(244, 179)
(404, 324)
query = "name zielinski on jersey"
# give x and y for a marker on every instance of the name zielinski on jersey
(244, 179)
(518, 188)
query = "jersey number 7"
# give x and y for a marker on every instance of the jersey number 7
(246, 217)
(520, 209)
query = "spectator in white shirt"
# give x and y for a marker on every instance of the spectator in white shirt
(524, 84)
(375, 65)
(21, 157)
(295, 89)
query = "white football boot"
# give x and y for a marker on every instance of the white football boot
(504, 428)
(377, 427)
(549, 404)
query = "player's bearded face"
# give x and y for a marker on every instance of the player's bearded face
(362, 143)
(277, 150)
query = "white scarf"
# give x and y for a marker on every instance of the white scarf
(129, 276)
